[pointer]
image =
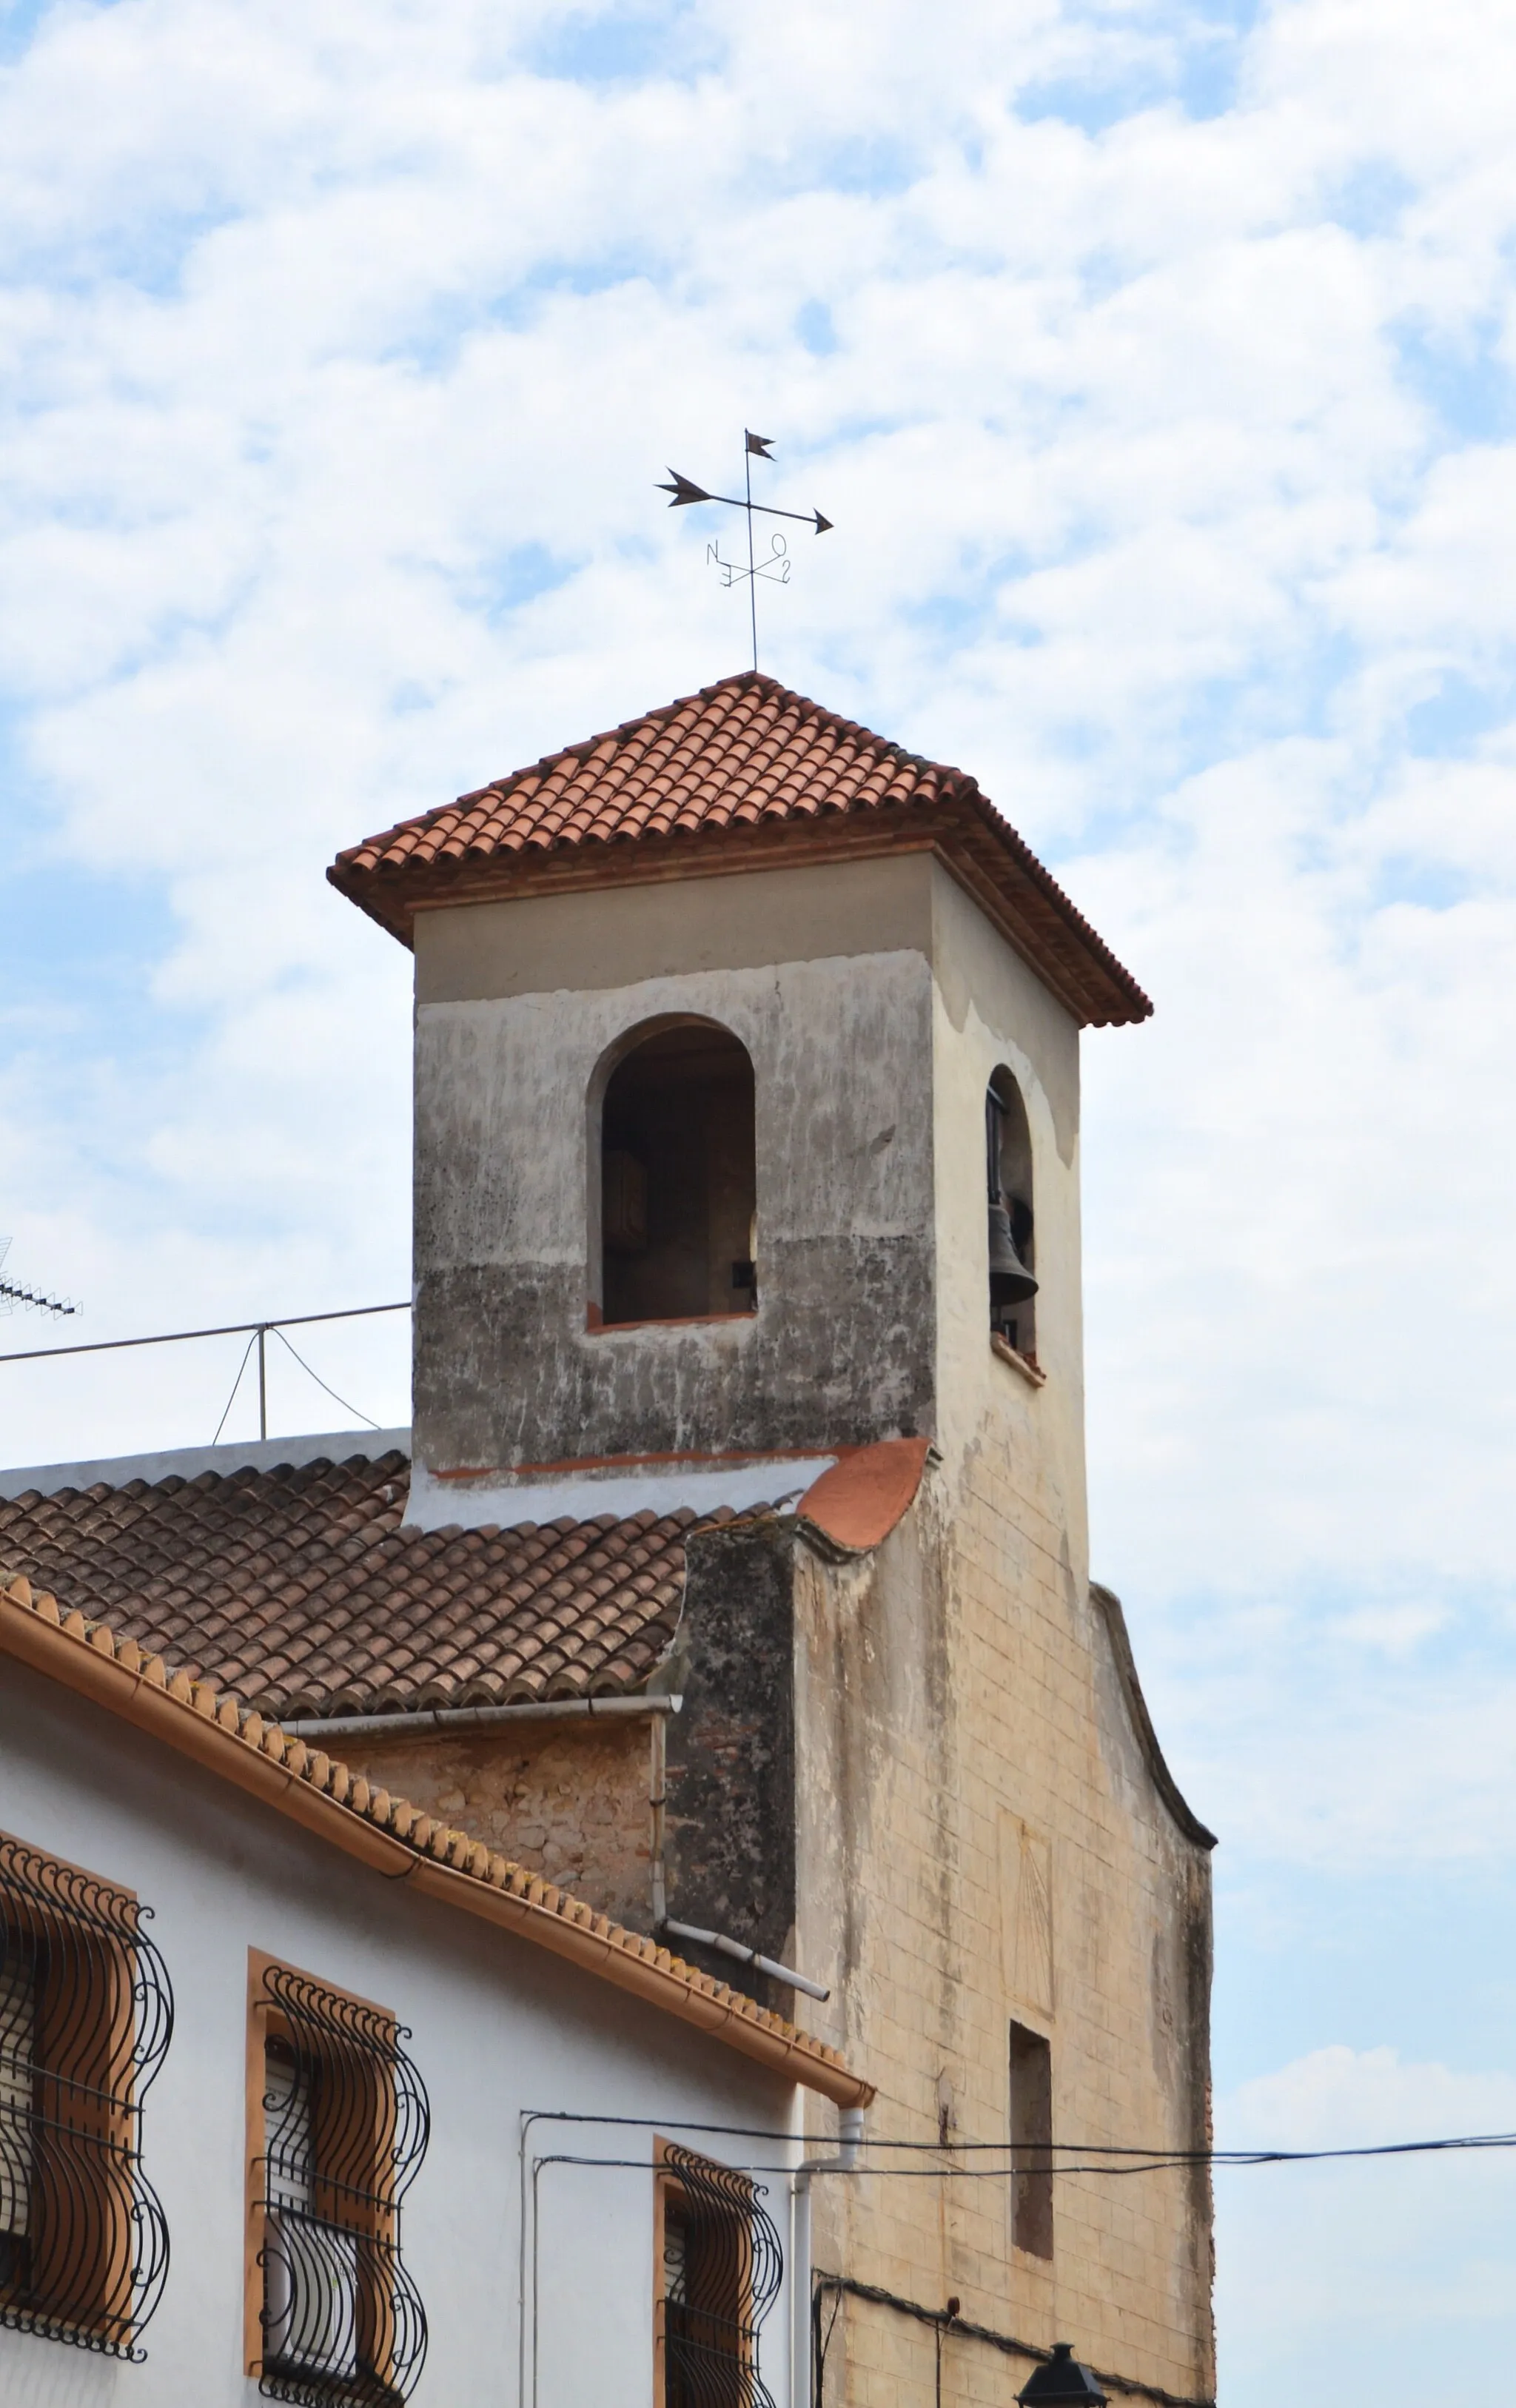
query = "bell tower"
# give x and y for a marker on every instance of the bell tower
(718, 1017)
(747, 1209)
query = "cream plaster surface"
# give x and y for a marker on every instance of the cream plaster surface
(615, 937)
(982, 1838)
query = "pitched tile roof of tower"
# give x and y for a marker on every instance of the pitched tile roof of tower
(301, 1588)
(737, 771)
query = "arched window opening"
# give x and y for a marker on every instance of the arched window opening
(1013, 1285)
(678, 1178)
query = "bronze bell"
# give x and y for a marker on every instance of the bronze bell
(1011, 1282)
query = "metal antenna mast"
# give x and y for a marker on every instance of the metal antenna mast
(748, 443)
(11, 1294)
(776, 564)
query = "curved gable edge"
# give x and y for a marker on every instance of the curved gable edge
(1137, 1707)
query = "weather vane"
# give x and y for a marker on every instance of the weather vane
(776, 565)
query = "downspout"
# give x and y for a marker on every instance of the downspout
(850, 2133)
(657, 1788)
(745, 1956)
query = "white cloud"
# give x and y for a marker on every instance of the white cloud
(1171, 457)
(346, 321)
(1381, 2275)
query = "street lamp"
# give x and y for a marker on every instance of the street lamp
(1063, 2383)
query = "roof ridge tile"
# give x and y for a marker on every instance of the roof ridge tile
(734, 762)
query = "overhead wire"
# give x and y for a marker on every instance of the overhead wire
(235, 1384)
(1052, 2158)
(316, 1377)
(1097, 2159)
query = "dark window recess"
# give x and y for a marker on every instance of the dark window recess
(1013, 1285)
(1031, 2141)
(721, 2275)
(346, 2124)
(86, 2014)
(678, 1178)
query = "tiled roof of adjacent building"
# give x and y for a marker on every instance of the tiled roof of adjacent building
(220, 1731)
(301, 1589)
(736, 773)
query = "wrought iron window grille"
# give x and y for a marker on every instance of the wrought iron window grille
(721, 2269)
(346, 2124)
(86, 2016)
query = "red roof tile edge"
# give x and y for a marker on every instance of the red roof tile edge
(859, 1501)
(381, 876)
(217, 1732)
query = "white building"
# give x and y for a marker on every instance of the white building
(278, 2061)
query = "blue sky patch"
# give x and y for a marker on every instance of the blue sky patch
(617, 46)
(814, 327)
(1467, 384)
(1454, 721)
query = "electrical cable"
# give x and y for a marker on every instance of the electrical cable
(235, 1384)
(320, 1381)
(1048, 2160)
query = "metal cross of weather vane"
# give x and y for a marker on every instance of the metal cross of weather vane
(776, 564)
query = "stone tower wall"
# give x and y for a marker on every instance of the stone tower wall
(981, 1839)
(508, 1372)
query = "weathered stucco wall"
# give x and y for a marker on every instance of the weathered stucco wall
(570, 1800)
(991, 1012)
(978, 1833)
(730, 1764)
(981, 1839)
(574, 1801)
(506, 1241)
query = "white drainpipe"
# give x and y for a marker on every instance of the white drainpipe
(745, 1956)
(850, 2136)
(433, 1718)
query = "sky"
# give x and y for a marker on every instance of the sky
(1155, 364)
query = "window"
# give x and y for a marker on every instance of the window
(85, 2017)
(1013, 1285)
(678, 1178)
(339, 2127)
(719, 2267)
(1031, 2141)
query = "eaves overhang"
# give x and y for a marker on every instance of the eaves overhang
(745, 775)
(386, 1833)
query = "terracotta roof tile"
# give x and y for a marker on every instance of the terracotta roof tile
(219, 1729)
(301, 1588)
(748, 765)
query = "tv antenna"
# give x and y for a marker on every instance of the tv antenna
(11, 1294)
(775, 565)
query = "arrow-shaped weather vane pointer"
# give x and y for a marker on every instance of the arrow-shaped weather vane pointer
(684, 493)
(683, 490)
